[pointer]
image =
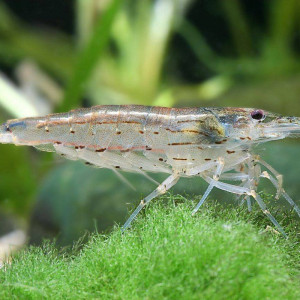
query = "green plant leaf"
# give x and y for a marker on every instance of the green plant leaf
(89, 57)
(49, 48)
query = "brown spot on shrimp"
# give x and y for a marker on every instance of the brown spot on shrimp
(192, 131)
(79, 147)
(100, 150)
(230, 152)
(181, 144)
(129, 122)
(186, 131)
(125, 150)
(189, 121)
(106, 122)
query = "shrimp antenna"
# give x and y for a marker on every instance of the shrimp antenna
(123, 179)
(149, 177)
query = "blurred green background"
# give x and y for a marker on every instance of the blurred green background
(60, 55)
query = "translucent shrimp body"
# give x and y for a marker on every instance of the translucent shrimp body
(212, 143)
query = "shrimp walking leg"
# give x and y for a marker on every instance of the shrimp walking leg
(275, 173)
(239, 177)
(161, 189)
(266, 212)
(242, 190)
(239, 190)
(220, 166)
(266, 175)
(254, 172)
(249, 203)
(247, 199)
(234, 176)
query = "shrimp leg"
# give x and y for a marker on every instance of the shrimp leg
(266, 175)
(239, 177)
(220, 166)
(266, 212)
(246, 198)
(234, 176)
(243, 190)
(275, 173)
(253, 180)
(160, 190)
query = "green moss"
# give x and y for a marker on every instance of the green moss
(218, 254)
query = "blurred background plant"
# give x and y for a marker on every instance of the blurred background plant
(59, 55)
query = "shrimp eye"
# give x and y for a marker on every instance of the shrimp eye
(258, 114)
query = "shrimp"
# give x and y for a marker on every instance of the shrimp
(215, 144)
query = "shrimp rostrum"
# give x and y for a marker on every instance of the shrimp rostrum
(212, 143)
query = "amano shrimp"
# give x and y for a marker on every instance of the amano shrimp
(215, 144)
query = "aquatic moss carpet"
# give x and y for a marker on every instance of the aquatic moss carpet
(221, 253)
